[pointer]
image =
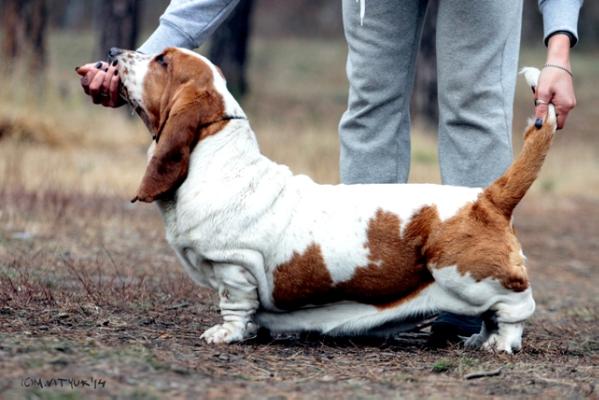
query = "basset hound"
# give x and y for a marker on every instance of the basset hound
(288, 254)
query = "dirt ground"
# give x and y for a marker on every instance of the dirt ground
(91, 292)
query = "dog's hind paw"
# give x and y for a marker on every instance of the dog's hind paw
(508, 338)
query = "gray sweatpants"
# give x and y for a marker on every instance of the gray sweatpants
(477, 59)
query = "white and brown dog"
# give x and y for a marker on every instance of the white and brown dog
(288, 254)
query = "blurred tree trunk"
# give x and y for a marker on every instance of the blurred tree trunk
(74, 15)
(11, 26)
(229, 47)
(424, 100)
(532, 24)
(36, 21)
(119, 25)
(24, 25)
(588, 26)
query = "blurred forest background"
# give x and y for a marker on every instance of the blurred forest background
(284, 60)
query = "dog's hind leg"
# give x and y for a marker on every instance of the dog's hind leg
(504, 310)
(510, 315)
(503, 324)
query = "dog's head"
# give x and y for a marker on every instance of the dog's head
(182, 98)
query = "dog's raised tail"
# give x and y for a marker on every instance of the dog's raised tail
(507, 191)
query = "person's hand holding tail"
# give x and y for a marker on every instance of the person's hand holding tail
(556, 81)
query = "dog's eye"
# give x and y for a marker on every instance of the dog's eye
(160, 59)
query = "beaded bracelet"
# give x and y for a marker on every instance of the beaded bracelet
(559, 67)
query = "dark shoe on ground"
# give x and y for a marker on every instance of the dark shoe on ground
(448, 328)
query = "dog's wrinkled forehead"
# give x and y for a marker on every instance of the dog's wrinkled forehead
(134, 68)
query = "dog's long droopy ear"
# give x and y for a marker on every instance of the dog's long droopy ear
(176, 137)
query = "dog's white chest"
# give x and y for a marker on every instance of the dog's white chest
(188, 252)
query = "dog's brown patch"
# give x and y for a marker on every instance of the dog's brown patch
(396, 267)
(479, 240)
(303, 280)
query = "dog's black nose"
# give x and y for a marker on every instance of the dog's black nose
(113, 53)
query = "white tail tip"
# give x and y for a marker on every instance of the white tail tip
(531, 74)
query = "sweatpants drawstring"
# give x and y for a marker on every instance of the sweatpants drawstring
(362, 10)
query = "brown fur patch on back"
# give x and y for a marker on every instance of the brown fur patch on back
(396, 267)
(396, 264)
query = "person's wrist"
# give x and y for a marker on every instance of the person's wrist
(558, 50)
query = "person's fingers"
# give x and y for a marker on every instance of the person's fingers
(84, 69)
(542, 99)
(96, 85)
(87, 79)
(108, 77)
(91, 70)
(103, 65)
(105, 88)
(561, 119)
(563, 108)
(555, 87)
(564, 101)
(567, 107)
(114, 91)
(540, 114)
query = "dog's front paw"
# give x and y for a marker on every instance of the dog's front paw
(229, 332)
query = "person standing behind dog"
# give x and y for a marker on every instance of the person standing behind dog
(477, 59)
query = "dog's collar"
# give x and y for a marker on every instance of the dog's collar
(228, 117)
(207, 124)
(221, 119)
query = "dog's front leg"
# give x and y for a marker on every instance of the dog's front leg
(237, 290)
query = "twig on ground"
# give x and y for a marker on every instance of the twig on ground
(483, 374)
(178, 306)
(556, 381)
